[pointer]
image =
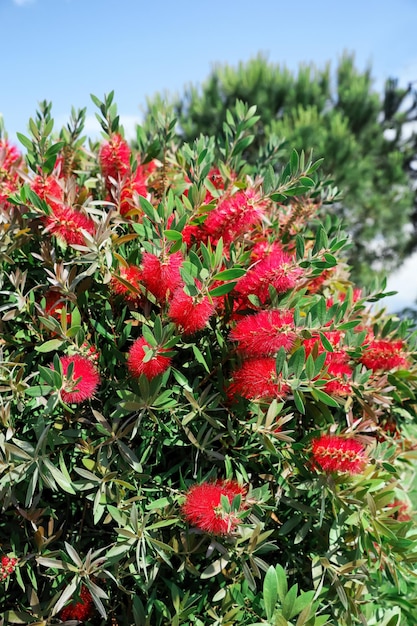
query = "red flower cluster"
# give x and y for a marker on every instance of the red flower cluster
(7, 566)
(145, 359)
(257, 379)
(131, 274)
(161, 275)
(264, 333)
(81, 609)
(338, 369)
(84, 381)
(191, 313)
(234, 216)
(10, 160)
(114, 158)
(67, 225)
(384, 354)
(333, 453)
(276, 269)
(54, 302)
(115, 163)
(203, 509)
(49, 189)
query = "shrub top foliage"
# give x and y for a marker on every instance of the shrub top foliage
(203, 421)
(339, 115)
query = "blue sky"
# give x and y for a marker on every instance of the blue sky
(63, 50)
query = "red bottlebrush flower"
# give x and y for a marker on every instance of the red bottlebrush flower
(54, 301)
(10, 156)
(49, 189)
(134, 185)
(138, 363)
(402, 511)
(337, 454)
(339, 371)
(161, 276)
(384, 354)
(84, 381)
(67, 225)
(264, 333)
(216, 180)
(203, 509)
(132, 274)
(80, 610)
(235, 215)
(114, 158)
(334, 337)
(191, 313)
(191, 233)
(257, 379)
(10, 160)
(276, 269)
(316, 282)
(7, 566)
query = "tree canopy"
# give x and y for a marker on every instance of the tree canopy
(338, 115)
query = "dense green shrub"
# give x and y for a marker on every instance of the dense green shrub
(202, 420)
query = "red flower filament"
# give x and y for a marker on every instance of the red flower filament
(147, 360)
(333, 453)
(131, 274)
(203, 509)
(67, 225)
(384, 354)
(161, 276)
(234, 216)
(257, 379)
(191, 313)
(264, 333)
(79, 610)
(84, 381)
(115, 158)
(276, 269)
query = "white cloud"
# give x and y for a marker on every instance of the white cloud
(404, 280)
(21, 3)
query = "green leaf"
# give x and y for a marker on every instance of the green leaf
(242, 144)
(200, 358)
(282, 582)
(25, 141)
(294, 162)
(270, 591)
(222, 289)
(173, 235)
(235, 272)
(289, 601)
(322, 396)
(48, 346)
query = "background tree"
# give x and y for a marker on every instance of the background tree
(340, 116)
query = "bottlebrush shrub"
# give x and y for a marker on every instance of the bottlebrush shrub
(202, 421)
